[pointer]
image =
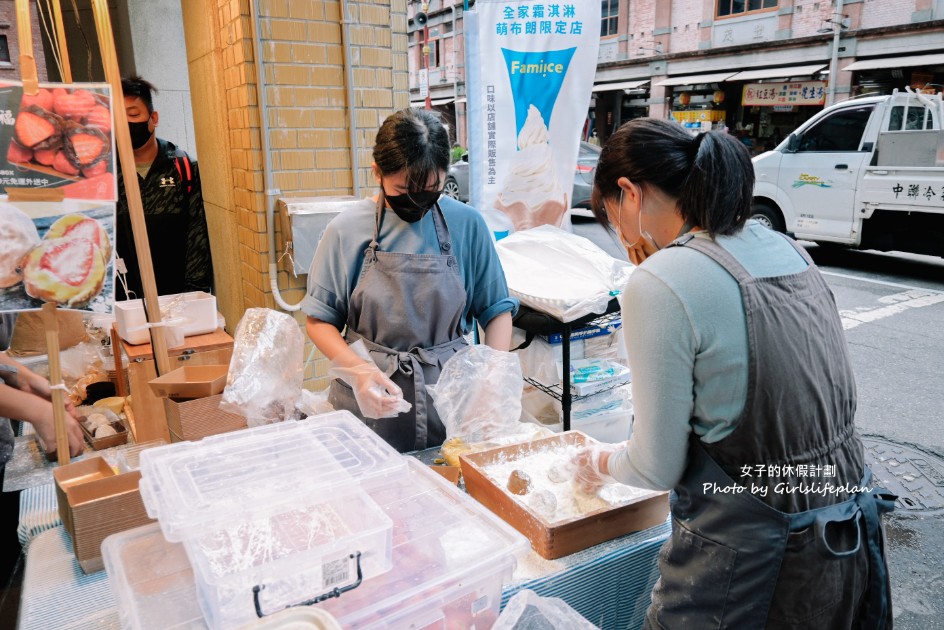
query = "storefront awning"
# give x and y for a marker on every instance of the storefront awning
(624, 85)
(694, 79)
(777, 73)
(896, 62)
(434, 102)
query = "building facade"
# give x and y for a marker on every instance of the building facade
(756, 67)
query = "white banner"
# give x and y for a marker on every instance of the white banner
(531, 67)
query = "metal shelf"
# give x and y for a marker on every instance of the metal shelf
(538, 323)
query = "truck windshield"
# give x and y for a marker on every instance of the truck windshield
(840, 131)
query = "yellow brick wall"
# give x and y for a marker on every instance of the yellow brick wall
(309, 138)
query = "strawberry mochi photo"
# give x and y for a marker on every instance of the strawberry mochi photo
(64, 259)
(61, 138)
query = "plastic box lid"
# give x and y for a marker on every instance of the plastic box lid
(189, 486)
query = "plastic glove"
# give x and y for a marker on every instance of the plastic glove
(376, 395)
(586, 464)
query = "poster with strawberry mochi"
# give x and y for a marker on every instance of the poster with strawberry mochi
(58, 252)
(59, 138)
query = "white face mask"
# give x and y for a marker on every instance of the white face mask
(619, 225)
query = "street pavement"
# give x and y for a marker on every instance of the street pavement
(892, 308)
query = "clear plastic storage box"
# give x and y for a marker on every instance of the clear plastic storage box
(449, 555)
(450, 558)
(275, 508)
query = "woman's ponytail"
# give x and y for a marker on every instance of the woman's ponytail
(710, 174)
(717, 193)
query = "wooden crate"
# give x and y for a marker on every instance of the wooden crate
(563, 537)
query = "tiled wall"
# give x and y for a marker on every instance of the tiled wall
(308, 121)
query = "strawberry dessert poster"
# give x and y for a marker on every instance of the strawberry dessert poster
(57, 252)
(58, 138)
(57, 197)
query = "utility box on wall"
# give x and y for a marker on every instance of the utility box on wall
(303, 220)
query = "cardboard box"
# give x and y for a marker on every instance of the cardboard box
(199, 417)
(95, 502)
(192, 381)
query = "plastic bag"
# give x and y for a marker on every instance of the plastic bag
(313, 403)
(478, 395)
(559, 273)
(529, 611)
(265, 373)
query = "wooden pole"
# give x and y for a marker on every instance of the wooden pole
(106, 41)
(51, 324)
(24, 29)
(61, 39)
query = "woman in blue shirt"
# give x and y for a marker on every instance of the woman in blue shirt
(408, 272)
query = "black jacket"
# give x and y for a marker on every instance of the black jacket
(176, 226)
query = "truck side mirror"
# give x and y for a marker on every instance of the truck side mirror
(793, 143)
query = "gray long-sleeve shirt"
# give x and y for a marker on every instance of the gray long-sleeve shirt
(686, 339)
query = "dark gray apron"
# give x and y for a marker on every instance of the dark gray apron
(787, 558)
(408, 310)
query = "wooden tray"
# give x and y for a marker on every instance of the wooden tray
(563, 537)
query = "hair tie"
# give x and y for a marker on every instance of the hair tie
(695, 145)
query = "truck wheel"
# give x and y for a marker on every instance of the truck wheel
(768, 216)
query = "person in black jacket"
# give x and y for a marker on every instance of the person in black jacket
(173, 206)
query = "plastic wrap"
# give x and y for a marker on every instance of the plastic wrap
(478, 395)
(265, 372)
(559, 273)
(529, 611)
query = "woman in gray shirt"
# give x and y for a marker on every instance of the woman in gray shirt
(744, 398)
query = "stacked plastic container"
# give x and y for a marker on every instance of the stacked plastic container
(274, 516)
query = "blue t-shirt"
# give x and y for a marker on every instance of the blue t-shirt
(339, 258)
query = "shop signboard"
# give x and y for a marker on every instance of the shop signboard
(787, 93)
(57, 197)
(531, 67)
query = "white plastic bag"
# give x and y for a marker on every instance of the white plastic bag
(559, 273)
(529, 611)
(265, 373)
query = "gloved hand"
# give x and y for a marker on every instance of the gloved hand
(587, 463)
(376, 395)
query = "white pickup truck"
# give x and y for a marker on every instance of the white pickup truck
(865, 173)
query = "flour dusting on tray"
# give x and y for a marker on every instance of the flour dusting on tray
(553, 495)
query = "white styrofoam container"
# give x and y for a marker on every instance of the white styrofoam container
(611, 426)
(194, 313)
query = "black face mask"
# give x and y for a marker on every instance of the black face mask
(411, 207)
(140, 133)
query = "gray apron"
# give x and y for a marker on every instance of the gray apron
(408, 310)
(775, 556)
